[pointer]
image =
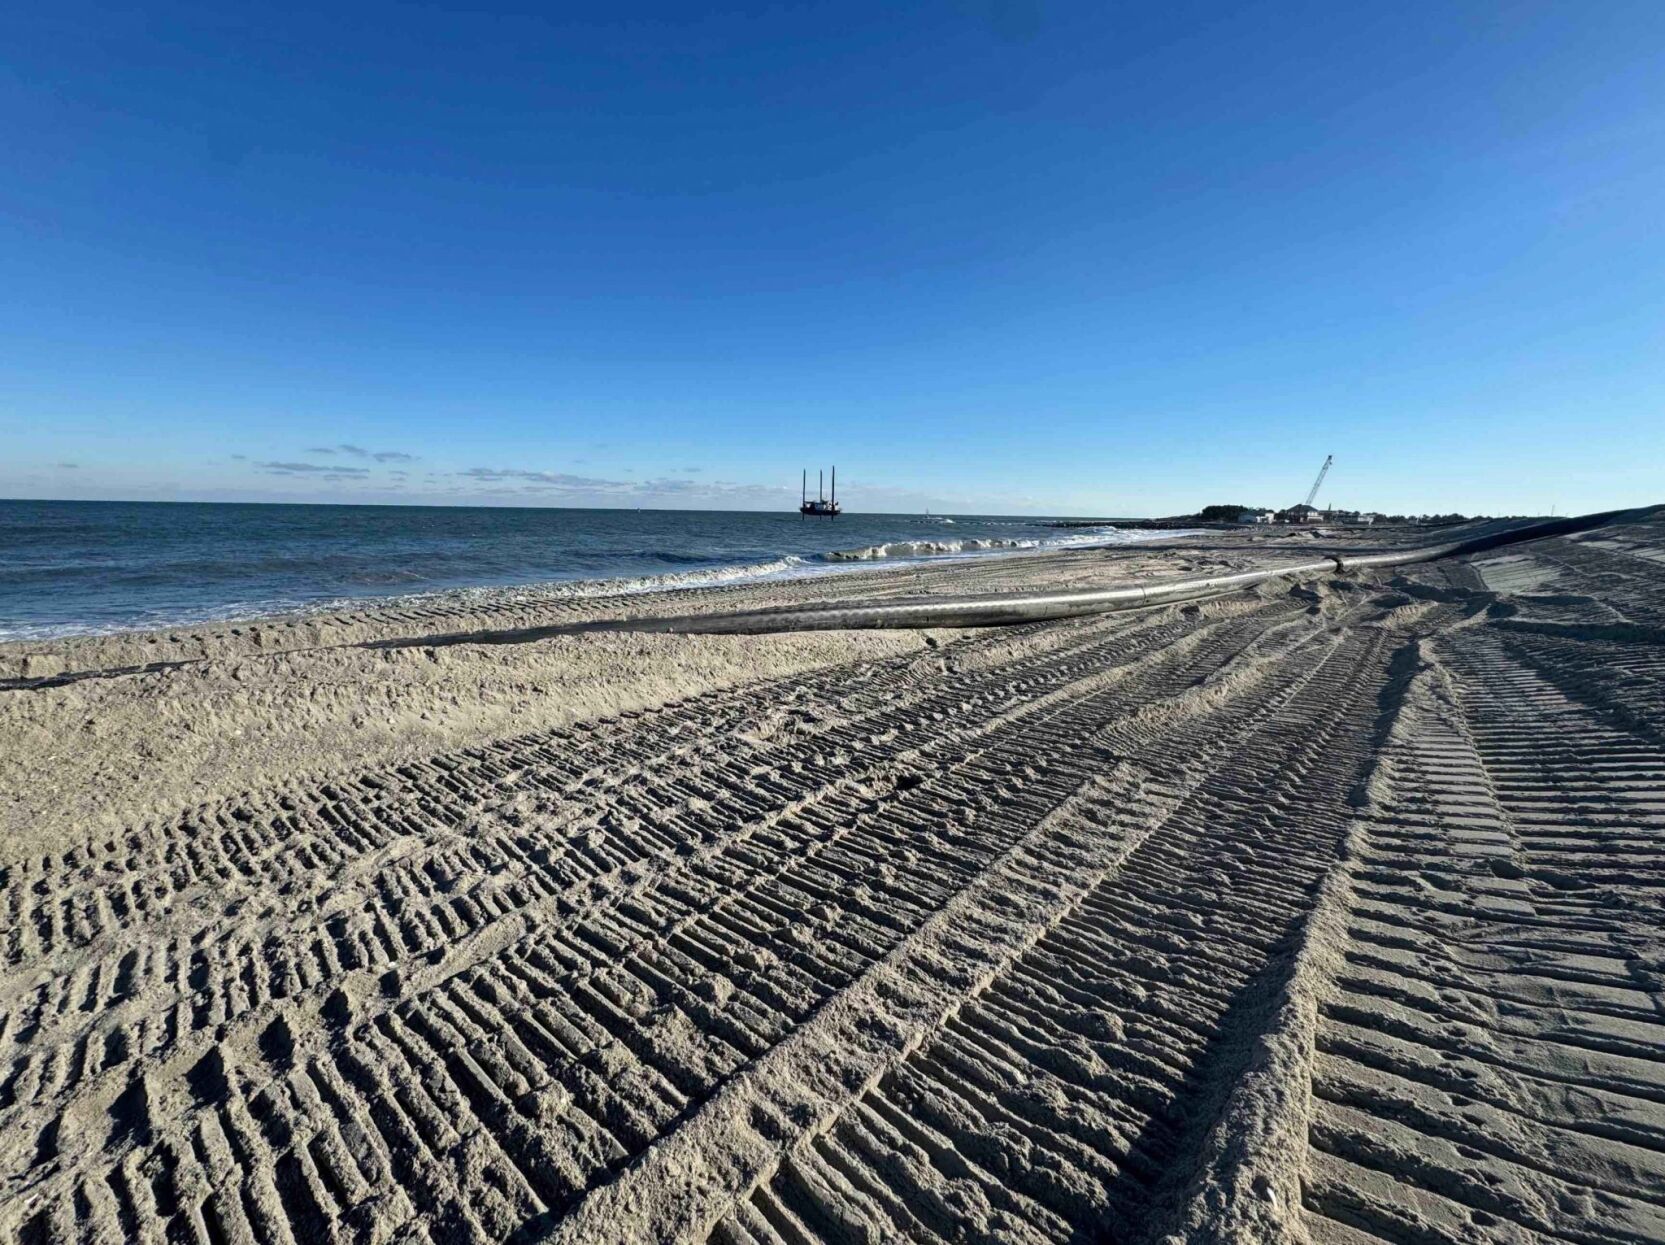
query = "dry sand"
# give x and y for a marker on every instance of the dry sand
(1326, 912)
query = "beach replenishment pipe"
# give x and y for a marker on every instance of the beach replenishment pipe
(987, 611)
(1005, 610)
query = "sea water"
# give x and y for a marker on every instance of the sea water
(69, 568)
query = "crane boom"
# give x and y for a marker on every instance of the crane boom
(1322, 472)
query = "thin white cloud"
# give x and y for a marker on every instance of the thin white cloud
(320, 471)
(566, 484)
(552, 479)
(358, 451)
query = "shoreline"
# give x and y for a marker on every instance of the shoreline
(206, 708)
(941, 540)
(786, 568)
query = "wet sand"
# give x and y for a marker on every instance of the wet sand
(1327, 911)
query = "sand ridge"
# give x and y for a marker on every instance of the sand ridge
(1324, 912)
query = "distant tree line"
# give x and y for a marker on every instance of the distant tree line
(1221, 514)
(1225, 513)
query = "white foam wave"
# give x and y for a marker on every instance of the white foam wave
(1082, 539)
(784, 567)
(775, 568)
(788, 566)
(923, 549)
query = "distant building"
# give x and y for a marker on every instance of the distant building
(1256, 516)
(1301, 513)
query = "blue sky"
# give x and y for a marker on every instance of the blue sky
(1024, 257)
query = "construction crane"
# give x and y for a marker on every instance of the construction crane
(1316, 484)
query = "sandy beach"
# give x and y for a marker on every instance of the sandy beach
(1325, 911)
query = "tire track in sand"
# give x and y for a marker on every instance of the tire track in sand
(1063, 1098)
(1012, 940)
(420, 1076)
(1489, 1062)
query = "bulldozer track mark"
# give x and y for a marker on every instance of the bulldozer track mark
(1334, 910)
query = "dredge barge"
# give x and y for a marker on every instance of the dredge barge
(820, 506)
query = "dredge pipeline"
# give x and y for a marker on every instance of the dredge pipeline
(979, 611)
(1006, 610)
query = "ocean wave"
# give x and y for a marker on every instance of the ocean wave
(476, 596)
(573, 589)
(1085, 538)
(709, 577)
(786, 566)
(924, 549)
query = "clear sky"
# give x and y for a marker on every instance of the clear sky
(1102, 258)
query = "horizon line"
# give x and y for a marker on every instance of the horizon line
(406, 505)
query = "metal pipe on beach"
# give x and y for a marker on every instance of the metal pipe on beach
(1009, 609)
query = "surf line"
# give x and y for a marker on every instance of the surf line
(984, 611)
(1011, 609)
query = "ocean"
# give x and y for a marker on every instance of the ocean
(87, 568)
